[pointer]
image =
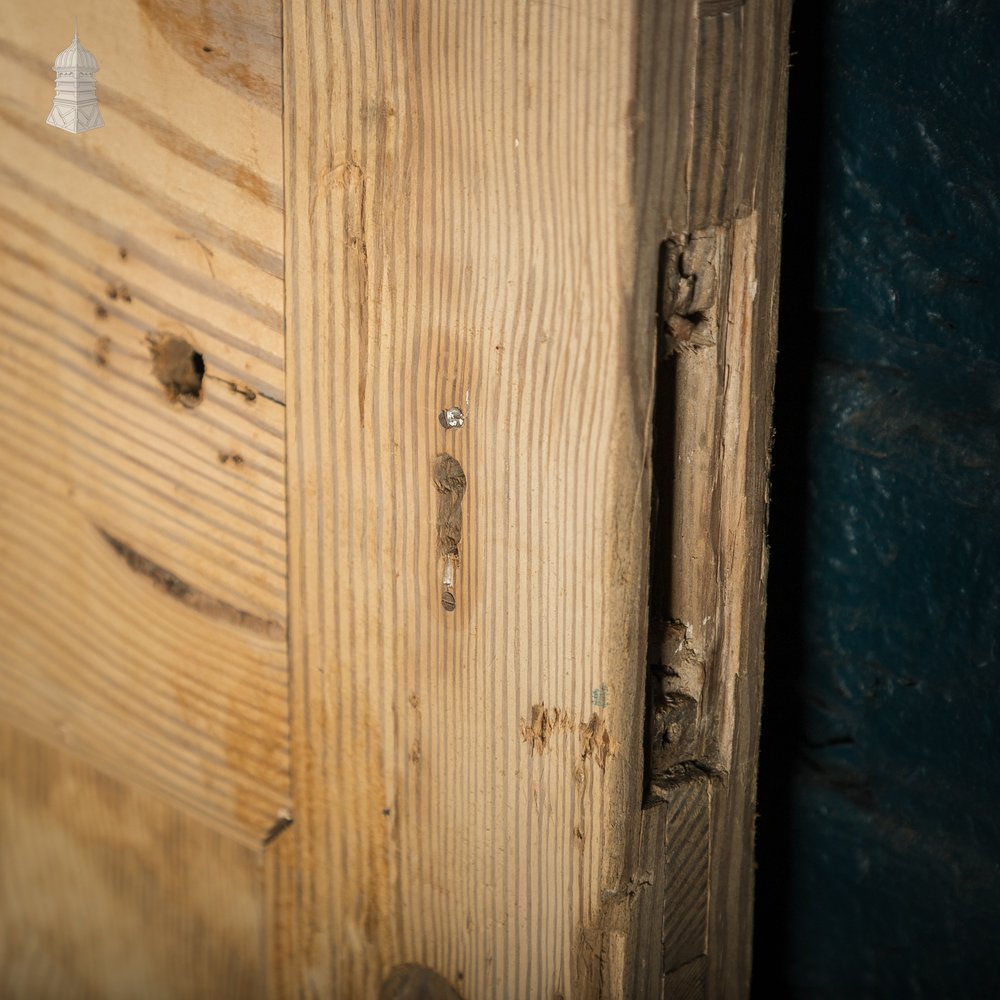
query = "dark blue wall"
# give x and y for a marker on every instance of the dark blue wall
(879, 836)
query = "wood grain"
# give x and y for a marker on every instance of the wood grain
(749, 363)
(108, 893)
(444, 205)
(144, 542)
(460, 221)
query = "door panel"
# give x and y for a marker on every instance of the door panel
(142, 502)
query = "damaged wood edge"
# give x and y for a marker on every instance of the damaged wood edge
(692, 662)
(689, 286)
(681, 736)
(710, 106)
(186, 594)
(746, 452)
(685, 758)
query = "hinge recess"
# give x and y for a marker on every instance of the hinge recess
(681, 739)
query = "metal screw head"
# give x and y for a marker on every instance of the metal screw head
(451, 418)
(448, 601)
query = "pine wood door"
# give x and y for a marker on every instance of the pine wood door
(328, 381)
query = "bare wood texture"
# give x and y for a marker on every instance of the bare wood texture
(142, 502)
(108, 893)
(461, 233)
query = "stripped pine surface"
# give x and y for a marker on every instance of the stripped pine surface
(142, 502)
(110, 893)
(461, 233)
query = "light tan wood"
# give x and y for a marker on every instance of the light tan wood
(143, 541)
(108, 893)
(461, 232)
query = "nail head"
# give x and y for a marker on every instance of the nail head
(451, 418)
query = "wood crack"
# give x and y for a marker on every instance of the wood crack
(198, 600)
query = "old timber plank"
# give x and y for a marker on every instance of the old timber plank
(461, 232)
(142, 502)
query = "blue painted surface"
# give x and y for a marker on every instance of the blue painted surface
(880, 772)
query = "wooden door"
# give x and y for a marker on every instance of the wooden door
(327, 382)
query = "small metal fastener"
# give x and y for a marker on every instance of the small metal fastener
(451, 418)
(448, 601)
